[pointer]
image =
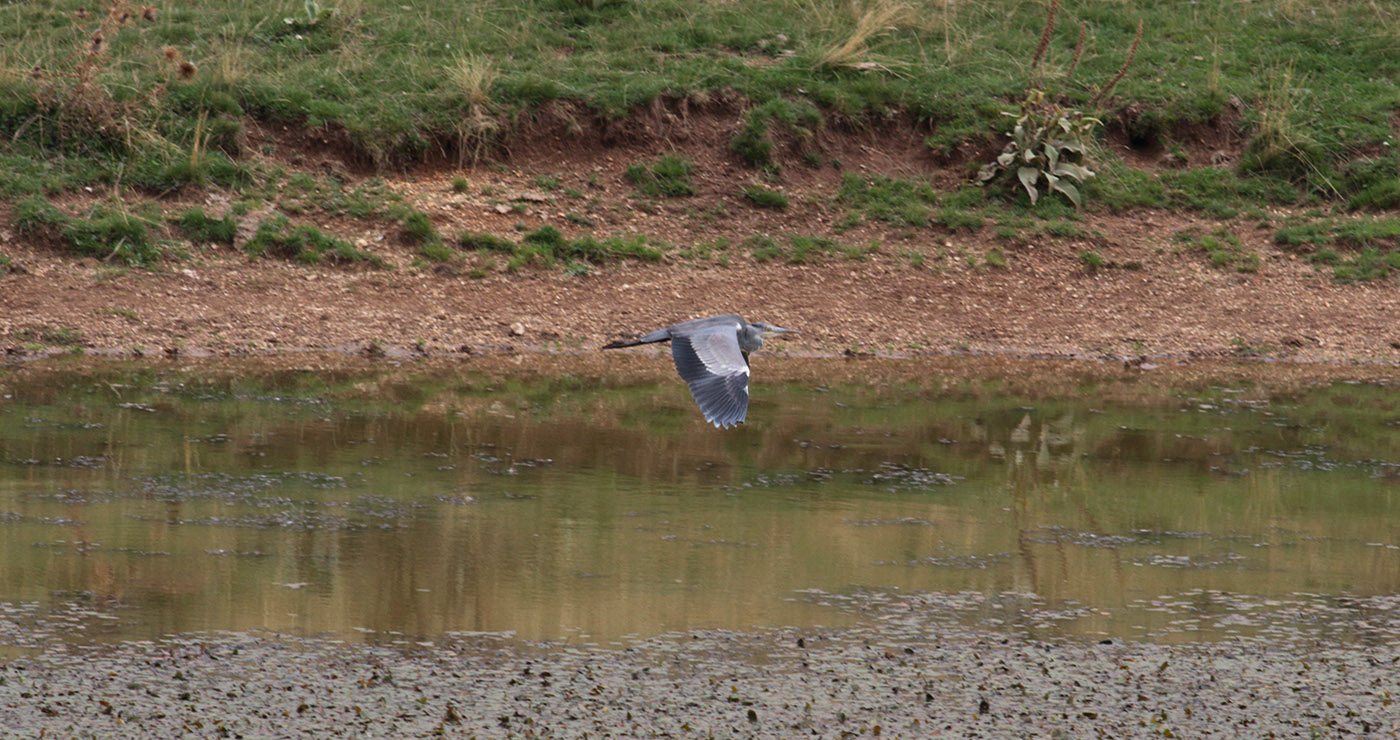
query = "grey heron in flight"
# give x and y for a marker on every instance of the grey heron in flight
(712, 356)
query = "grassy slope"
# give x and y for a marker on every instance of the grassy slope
(1317, 80)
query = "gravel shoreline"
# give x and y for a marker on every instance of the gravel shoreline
(892, 677)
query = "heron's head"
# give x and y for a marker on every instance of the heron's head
(769, 329)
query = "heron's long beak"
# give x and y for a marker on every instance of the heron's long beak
(779, 330)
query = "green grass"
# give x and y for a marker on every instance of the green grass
(667, 177)
(278, 237)
(766, 198)
(803, 249)
(896, 201)
(200, 228)
(391, 84)
(1222, 248)
(103, 232)
(398, 83)
(1357, 249)
(547, 246)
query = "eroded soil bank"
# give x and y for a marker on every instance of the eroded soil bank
(1023, 288)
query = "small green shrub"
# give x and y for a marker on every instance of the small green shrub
(1049, 143)
(437, 252)
(955, 219)
(487, 242)
(892, 200)
(667, 177)
(35, 214)
(107, 234)
(1065, 229)
(419, 229)
(753, 143)
(304, 243)
(766, 198)
(809, 248)
(763, 247)
(200, 228)
(1372, 183)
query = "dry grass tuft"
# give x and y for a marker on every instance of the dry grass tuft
(872, 20)
(474, 76)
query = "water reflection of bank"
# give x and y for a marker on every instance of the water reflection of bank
(173, 504)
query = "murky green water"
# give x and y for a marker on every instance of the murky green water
(135, 504)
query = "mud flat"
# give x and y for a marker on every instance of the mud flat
(904, 672)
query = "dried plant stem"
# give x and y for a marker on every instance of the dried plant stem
(1078, 52)
(1132, 53)
(1045, 34)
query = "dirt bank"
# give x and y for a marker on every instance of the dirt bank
(897, 289)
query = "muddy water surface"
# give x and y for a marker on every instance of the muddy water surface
(141, 503)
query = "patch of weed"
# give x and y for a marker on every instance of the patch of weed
(892, 200)
(487, 242)
(1222, 248)
(763, 247)
(955, 218)
(754, 142)
(766, 198)
(1066, 230)
(1372, 245)
(201, 228)
(305, 243)
(668, 176)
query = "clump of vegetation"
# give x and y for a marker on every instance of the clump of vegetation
(52, 335)
(485, 242)
(1372, 183)
(754, 142)
(418, 230)
(1050, 141)
(1356, 233)
(548, 246)
(766, 197)
(305, 243)
(802, 249)
(1282, 143)
(201, 228)
(1357, 249)
(1223, 248)
(892, 200)
(104, 233)
(668, 176)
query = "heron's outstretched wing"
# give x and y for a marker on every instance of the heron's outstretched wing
(712, 365)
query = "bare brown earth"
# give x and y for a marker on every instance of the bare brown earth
(1044, 302)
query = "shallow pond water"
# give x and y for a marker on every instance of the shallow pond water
(136, 503)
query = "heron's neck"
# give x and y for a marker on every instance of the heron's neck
(750, 339)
